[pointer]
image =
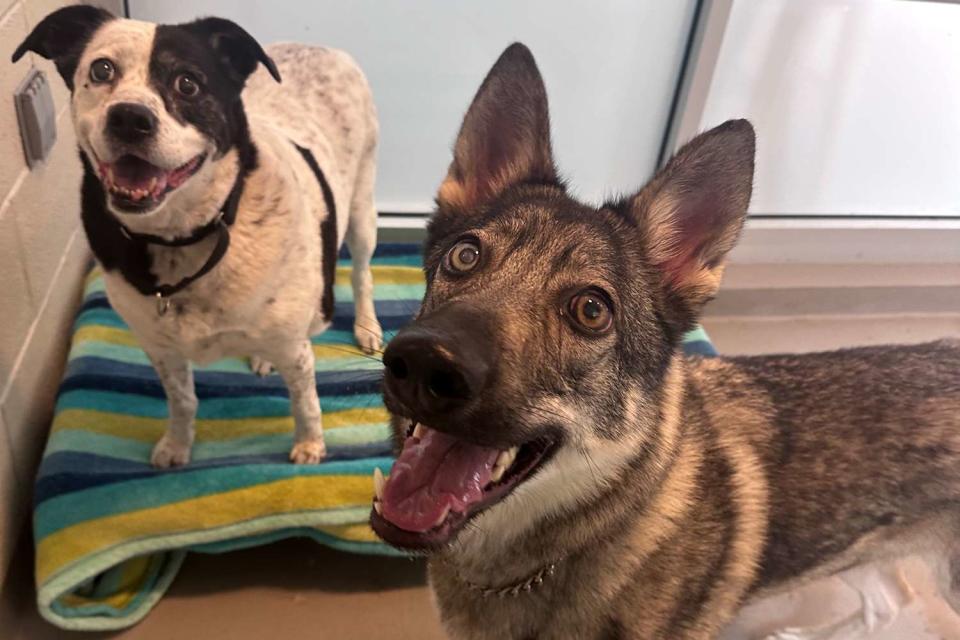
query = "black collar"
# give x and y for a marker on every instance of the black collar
(221, 225)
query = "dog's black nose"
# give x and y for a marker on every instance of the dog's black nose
(432, 371)
(130, 122)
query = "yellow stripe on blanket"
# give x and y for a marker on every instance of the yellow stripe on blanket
(95, 273)
(100, 333)
(334, 351)
(150, 429)
(385, 275)
(304, 493)
(131, 583)
(354, 532)
(124, 338)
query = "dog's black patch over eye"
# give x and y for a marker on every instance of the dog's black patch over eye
(590, 311)
(199, 70)
(102, 71)
(196, 91)
(463, 256)
(186, 85)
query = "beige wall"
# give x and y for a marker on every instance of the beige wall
(43, 254)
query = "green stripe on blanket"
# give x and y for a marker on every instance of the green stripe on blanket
(111, 532)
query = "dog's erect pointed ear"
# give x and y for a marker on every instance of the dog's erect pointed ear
(692, 212)
(62, 35)
(505, 137)
(238, 50)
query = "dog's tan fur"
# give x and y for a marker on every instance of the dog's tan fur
(681, 487)
(662, 557)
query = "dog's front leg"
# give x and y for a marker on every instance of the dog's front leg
(362, 240)
(296, 366)
(173, 449)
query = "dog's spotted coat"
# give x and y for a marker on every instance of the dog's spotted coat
(265, 297)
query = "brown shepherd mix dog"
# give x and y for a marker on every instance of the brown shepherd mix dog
(570, 472)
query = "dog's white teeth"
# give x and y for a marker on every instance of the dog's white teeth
(152, 185)
(443, 516)
(378, 507)
(507, 457)
(504, 461)
(419, 431)
(378, 482)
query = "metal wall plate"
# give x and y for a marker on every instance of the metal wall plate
(37, 117)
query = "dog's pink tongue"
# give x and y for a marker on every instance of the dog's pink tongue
(133, 173)
(433, 475)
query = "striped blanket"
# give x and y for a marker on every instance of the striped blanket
(111, 531)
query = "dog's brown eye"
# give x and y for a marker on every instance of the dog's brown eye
(591, 311)
(102, 70)
(464, 256)
(186, 85)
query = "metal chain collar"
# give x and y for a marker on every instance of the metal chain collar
(525, 585)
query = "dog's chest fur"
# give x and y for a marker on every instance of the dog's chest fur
(270, 282)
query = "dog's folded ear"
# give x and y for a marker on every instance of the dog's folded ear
(62, 36)
(505, 137)
(238, 50)
(692, 212)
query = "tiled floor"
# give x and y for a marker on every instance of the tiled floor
(285, 591)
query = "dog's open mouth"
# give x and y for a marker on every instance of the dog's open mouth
(440, 481)
(137, 186)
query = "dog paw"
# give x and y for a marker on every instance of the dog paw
(260, 366)
(168, 453)
(308, 452)
(369, 336)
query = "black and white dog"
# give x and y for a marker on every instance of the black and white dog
(216, 199)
